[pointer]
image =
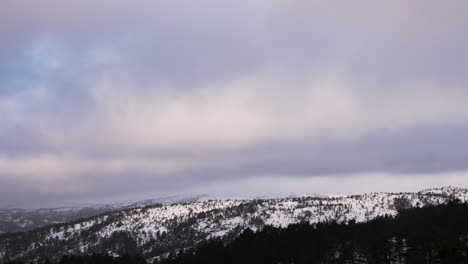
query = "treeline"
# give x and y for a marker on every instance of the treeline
(94, 259)
(435, 234)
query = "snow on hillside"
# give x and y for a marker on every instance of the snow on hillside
(16, 220)
(155, 230)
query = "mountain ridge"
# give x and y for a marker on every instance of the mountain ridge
(154, 230)
(15, 219)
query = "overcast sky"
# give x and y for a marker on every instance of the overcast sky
(113, 99)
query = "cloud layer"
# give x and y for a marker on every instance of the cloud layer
(112, 98)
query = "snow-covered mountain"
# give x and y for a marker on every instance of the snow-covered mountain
(17, 219)
(158, 229)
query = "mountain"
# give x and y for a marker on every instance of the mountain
(17, 219)
(432, 234)
(153, 231)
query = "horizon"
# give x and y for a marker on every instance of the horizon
(183, 198)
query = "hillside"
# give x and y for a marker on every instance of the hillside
(18, 219)
(153, 231)
(433, 234)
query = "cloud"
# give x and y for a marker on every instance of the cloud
(98, 92)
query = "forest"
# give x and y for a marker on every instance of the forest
(432, 234)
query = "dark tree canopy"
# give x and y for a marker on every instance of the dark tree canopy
(435, 234)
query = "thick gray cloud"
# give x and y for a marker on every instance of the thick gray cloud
(111, 98)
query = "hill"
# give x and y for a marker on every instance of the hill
(154, 231)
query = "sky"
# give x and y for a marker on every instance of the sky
(110, 100)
